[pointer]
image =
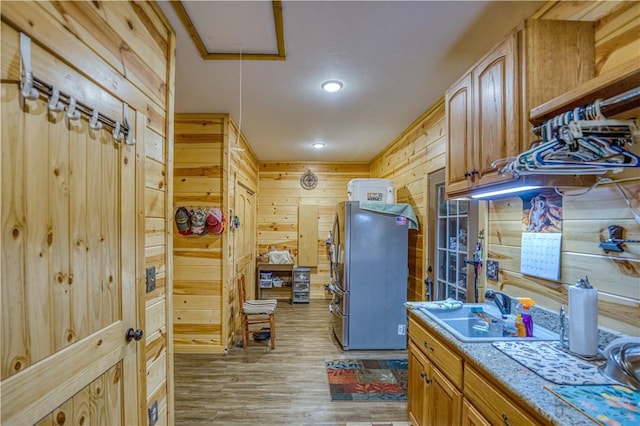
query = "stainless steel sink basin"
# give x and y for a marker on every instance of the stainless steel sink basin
(480, 322)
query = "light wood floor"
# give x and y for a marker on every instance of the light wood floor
(286, 386)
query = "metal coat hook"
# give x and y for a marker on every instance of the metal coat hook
(117, 134)
(129, 139)
(72, 113)
(93, 122)
(32, 87)
(27, 90)
(54, 102)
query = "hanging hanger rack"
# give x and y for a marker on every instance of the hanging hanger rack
(581, 141)
(32, 88)
(600, 108)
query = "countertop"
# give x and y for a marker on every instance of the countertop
(513, 376)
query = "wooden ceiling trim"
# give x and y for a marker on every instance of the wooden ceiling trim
(197, 40)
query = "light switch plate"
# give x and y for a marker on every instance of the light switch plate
(151, 278)
(153, 413)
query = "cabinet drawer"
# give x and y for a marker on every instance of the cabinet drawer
(447, 361)
(493, 405)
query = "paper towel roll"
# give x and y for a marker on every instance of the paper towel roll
(583, 321)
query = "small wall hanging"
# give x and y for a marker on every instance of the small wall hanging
(309, 180)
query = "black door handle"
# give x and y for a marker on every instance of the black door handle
(134, 335)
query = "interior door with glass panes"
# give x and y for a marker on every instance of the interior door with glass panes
(452, 241)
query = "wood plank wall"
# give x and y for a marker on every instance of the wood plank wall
(210, 159)
(586, 217)
(408, 160)
(197, 273)
(280, 194)
(131, 47)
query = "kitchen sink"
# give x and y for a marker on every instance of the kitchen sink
(480, 322)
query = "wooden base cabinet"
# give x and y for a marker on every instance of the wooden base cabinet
(487, 108)
(435, 379)
(433, 400)
(492, 404)
(444, 388)
(418, 388)
(471, 416)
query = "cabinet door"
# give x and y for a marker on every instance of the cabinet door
(458, 104)
(495, 122)
(471, 416)
(417, 386)
(445, 401)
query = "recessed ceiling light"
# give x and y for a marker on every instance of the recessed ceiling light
(317, 145)
(332, 86)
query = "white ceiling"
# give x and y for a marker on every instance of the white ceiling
(396, 59)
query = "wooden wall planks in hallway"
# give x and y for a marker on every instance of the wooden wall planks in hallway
(286, 386)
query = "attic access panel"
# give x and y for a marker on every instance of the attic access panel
(251, 30)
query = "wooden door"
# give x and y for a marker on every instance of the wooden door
(245, 237)
(68, 269)
(453, 225)
(496, 125)
(459, 119)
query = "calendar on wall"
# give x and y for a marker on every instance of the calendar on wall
(540, 254)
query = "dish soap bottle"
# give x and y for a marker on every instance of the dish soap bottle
(526, 316)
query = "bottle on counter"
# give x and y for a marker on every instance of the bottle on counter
(526, 303)
(522, 332)
(509, 324)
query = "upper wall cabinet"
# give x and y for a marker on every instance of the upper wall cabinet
(487, 108)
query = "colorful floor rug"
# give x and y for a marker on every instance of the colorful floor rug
(367, 379)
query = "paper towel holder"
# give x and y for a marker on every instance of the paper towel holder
(615, 241)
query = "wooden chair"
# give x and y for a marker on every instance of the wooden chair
(256, 312)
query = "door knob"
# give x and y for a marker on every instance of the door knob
(134, 335)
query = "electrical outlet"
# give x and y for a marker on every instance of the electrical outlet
(493, 268)
(151, 278)
(153, 413)
(402, 329)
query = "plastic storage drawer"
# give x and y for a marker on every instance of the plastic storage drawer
(301, 275)
(300, 297)
(301, 286)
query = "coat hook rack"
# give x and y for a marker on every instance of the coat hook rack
(32, 88)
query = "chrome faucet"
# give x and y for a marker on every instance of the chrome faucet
(504, 305)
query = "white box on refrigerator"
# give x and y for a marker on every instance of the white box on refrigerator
(371, 190)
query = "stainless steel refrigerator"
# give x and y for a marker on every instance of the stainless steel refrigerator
(369, 271)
